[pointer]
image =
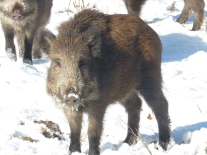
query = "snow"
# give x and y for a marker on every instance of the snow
(184, 67)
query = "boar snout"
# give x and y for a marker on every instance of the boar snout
(17, 16)
(72, 101)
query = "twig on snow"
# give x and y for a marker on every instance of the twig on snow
(139, 136)
(199, 108)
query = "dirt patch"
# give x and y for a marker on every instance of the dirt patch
(27, 139)
(51, 130)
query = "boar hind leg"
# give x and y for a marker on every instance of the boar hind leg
(95, 126)
(150, 88)
(133, 107)
(187, 11)
(198, 8)
(75, 122)
(10, 47)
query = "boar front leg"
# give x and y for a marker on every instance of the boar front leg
(10, 47)
(28, 44)
(20, 40)
(75, 122)
(95, 126)
(27, 59)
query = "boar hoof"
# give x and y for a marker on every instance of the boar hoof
(74, 148)
(11, 55)
(21, 54)
(164, 145)
(37, 55)
(27, 61)
(131, 140)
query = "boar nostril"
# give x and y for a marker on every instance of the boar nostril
(71, 100)
(17, 16)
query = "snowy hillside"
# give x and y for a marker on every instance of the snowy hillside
(26, 111)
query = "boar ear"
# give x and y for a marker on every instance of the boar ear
(93, 40)
(48, 36)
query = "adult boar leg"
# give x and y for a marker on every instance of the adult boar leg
(198, 8)
(28, 44)
(134, 6)
(151, 90)
(95, 126)
(10, 47)
(28, 51)
(20, 40)
(75, 122)
(186, 12)
(36, 46)
(133, 107)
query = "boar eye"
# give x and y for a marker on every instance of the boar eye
(83, 63)
(57, 63)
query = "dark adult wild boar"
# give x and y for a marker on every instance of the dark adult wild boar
(100, 59)
(24, 19)
(195, 6)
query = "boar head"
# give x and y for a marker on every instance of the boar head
(73, 75)
(19, 11)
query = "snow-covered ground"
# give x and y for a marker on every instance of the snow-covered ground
(25, 106)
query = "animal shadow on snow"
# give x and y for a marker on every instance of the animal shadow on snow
(155, 20)
(178, 132)
(40, 61)
(177, 47)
